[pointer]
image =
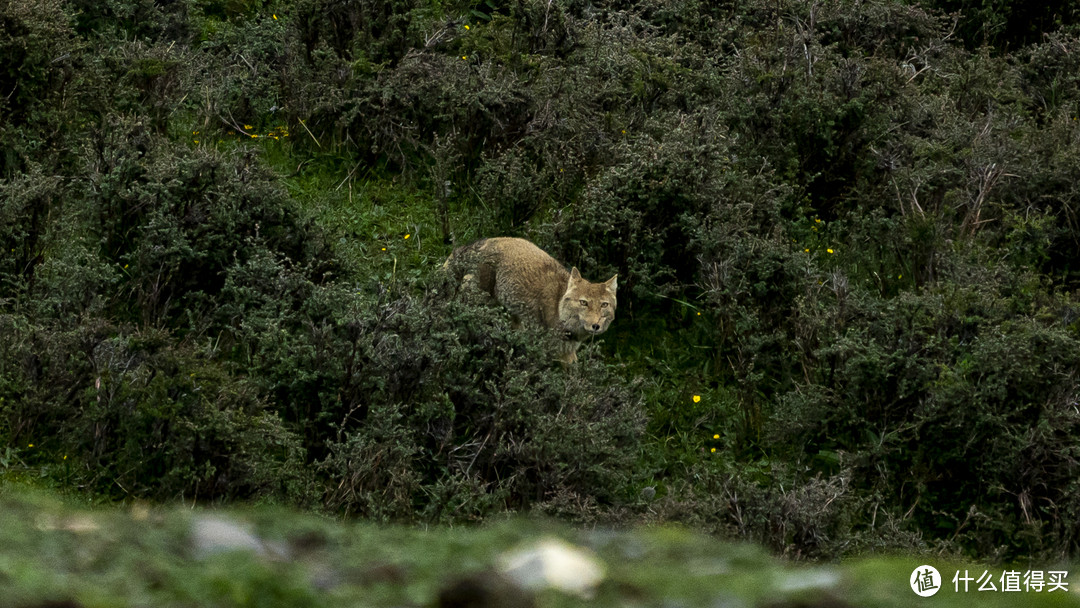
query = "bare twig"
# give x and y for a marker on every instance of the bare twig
(302, 124)
(434, 38)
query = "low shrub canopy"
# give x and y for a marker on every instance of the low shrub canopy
(845, 234)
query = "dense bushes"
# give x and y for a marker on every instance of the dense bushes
(848, 228)
(176, 331)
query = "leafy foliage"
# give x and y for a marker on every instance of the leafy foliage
(849, 228)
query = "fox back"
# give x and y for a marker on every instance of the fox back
(536, 288)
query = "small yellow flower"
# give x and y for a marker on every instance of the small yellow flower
(806, 251)
(713, 450)
(196, 141)
(246, 127)
(194, 132)
(699, 313)
(817, 220)
(125, 265)
(899, 276)
(466, 27)
(829, 250)
(254, 135)
(384, 248)
(275, 16)
(716, 436)
(464, 57)
(407, 235)
(697, 398)
(65, 456)
(31, 445)
(624, 131)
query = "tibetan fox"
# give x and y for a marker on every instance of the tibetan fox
(536, 288)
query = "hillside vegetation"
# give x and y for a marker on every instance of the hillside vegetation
(846, 234)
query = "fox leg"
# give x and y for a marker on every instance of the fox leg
(568, 352)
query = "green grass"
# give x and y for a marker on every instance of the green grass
(135, 555)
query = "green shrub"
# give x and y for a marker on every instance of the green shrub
(39, 60)
(432, 407)
(949, 406)
(175, 218)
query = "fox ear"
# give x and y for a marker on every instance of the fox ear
(613, 283)
(574, 274)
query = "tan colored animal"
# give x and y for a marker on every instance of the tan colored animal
(534, 287)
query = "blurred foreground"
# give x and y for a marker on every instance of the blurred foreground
(54, 553)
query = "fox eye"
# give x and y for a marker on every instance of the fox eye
(584, 302)
(604, 304)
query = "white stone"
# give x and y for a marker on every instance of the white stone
(800, 580)
(211, 534)
(554, 564)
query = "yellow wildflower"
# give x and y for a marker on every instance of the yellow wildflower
(246, 127)
(806, 251)
(713, 450)
(829, 250)
(466, 27)
(697, 398)
(275, 16)
(464, 57)
(407, 235)
(716, 436)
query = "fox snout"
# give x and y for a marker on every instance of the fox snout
(595, 326)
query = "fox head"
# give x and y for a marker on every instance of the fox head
(586, 308)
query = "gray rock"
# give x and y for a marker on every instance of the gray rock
(211, 534)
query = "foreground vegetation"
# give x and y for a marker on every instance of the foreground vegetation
(846, 236)
(57, 554)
